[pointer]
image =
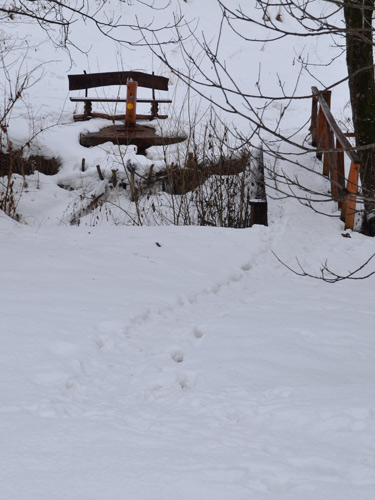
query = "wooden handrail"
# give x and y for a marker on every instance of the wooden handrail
(348, 148)
(324, 130)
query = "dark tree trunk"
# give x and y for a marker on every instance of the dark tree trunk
(360, 63)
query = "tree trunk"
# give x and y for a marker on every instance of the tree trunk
(360, 63)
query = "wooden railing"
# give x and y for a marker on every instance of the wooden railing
(332, 144)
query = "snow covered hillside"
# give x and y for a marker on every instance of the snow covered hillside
(165, 362)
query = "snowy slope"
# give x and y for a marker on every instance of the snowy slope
(173, 362)
(183, 362)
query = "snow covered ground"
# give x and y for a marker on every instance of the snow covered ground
(165, 362)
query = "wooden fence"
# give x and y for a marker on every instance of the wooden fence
(332, 144)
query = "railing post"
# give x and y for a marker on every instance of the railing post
(131, 103)
(322, 132)
(328, 159)
(338, 178)
(314, 118)
(348, 206)
(327, 96)
(319, 132)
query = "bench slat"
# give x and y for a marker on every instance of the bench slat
(83, 117)
(105, 99)
(92, 80)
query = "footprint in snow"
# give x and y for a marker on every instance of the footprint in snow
(185, 381)
(177, 356)
(198, 333)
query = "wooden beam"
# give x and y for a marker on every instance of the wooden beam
(92, 80)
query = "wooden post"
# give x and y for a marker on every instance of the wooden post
(327, 96)
(99, 172)
(154, 104)
(259, 209)
(320, 124)
(328, 160)
(338, 178)
(114, 177)
(131, 103)
(314, 118)
(348, 206)
(258, 198)
(85, 73)
(322, 132)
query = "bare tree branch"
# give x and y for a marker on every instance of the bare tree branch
(327, 274)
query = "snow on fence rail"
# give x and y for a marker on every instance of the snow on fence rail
(332, 143)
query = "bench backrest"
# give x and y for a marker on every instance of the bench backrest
(92, 80)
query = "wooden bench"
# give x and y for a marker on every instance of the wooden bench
(131, 80)
(129, 133)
